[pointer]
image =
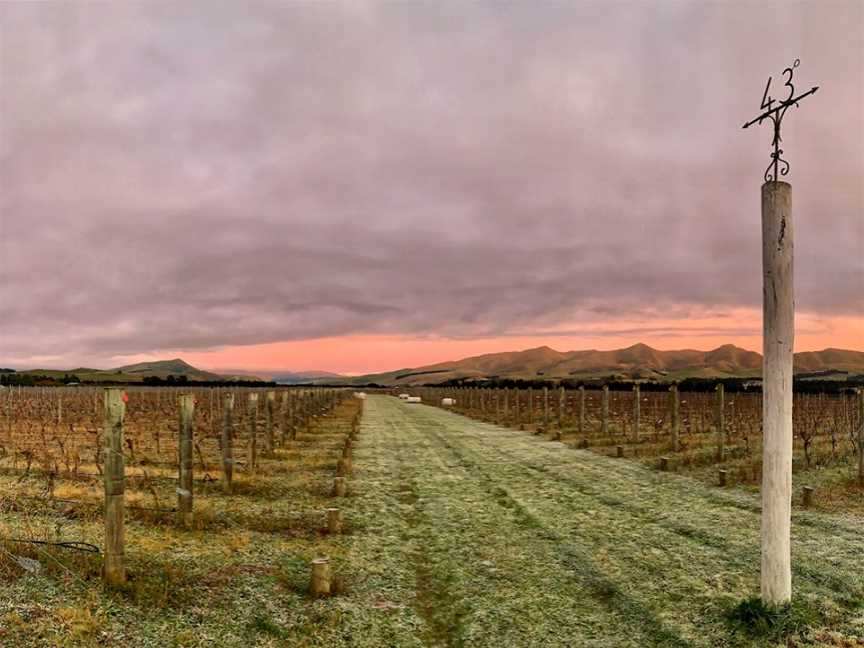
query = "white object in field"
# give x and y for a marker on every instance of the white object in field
(778, 338)
(404, 396)
(360, 395)
(448, 401)
(413, 399)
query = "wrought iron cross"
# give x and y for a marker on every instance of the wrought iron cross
(775, 114)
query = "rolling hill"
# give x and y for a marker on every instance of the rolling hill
(165, 368)
(306, 377)
(635, 362)
(137, 373)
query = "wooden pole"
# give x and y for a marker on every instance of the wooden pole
(545, 409)
(334, 521)
(184, 487)
(581, 410)
(604, 412)
(561, 402)
(227, 442)
(674, 418)
(320, 585)
(269, 434)
(115, 411)
(340, 488)
(778, 321)
(637, 412)
(252, 454)
(517, 413)
(721, 422)
(861, 437)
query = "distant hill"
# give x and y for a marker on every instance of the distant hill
(830, 360)
(138, 372)
(165, 368)
(306, 377)
(635, 362)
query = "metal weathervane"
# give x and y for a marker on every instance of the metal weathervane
(775, 114)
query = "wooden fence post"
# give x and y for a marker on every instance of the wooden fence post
(778, 322)
(252, 454)
(506, 407)
(283, 411)
(861, 437)
(674, 421)
(562, 400)
(184, 487)
(545, 409)
(517, 413)
(637, 412)
(581, 410)
(115, 411)
(269, 436)
(227, 442)
(721, 422)
(334, 521)
(320, 585)
(604, 412)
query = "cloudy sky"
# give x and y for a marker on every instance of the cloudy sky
(361, 186)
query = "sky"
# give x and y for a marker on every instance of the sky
(357, 187)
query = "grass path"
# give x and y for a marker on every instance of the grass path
(476, 535)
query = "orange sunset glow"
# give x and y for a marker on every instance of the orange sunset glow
(353, 355)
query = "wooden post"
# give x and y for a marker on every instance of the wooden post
(545, 409)
(320, 585)
(808, 496)
(269, 433)
(334, 521)
(184, 487)
(778, 321)
(604, 412)
(517, 413)
(340, 488)
(722, 475)
(636, 412)
(721, 422)
(114, 571)
(343, 467)
(581, 410)
(664, 463)
(861, 437)
(227, 442)
(619, 451)
(562, 399)
(674, 419)
(252, 454)
(283, 416)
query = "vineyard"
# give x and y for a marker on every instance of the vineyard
(165, 497)
(310, 517)
(714, 435)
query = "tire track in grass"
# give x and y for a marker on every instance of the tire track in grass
(723, 553)
(639, 619)
(433, 599)
(486, 559)
(804, 567)
(809, 572)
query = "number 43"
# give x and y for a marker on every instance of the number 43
(767, 101)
